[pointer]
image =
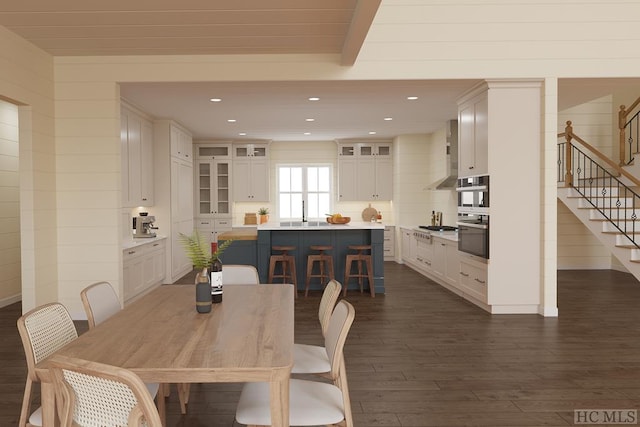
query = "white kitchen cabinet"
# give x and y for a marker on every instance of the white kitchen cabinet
(473, 135)
(365, 171)
(446, 264)
(181, 144)
(136, 141)
(473, 279)
(424, 250)
(408, 245)
(389, 246)
(143, 268)
(213, 168)
(250, 173)
(452, 269)
(174, 196)
(347, 179)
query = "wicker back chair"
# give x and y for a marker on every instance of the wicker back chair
(94, 394)
(43, 331)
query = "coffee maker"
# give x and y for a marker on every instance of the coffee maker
(143, 225)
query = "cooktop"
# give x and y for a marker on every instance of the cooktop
(438, 227)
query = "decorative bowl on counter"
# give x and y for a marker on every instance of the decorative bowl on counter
(338, 220)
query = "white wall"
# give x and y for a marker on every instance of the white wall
(410, 179)
(578, 248)
(498, 39)
(10, 275)
(594, 122)
(26, 79)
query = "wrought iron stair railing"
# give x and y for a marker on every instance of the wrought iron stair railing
(604, 190)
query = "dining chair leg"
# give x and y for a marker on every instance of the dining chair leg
(161, 404)
(26, 403)
(183, 394)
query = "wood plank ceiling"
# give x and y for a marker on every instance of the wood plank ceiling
(169, 27)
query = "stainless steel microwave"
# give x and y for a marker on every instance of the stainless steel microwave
(473, 194)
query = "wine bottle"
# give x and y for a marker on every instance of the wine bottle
(203, 290)
(216, 281)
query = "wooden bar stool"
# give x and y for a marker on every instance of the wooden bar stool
(359, 258)
(325, 263)
(287, 263)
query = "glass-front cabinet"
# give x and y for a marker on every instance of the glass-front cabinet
(213, 180)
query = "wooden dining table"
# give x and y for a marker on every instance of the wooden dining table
(248, 337)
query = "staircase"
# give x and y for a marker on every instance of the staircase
(604, 196)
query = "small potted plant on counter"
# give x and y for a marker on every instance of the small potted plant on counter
(264, 215)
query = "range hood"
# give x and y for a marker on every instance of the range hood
(451, 170)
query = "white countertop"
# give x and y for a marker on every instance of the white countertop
(132, 242)
(319, 225)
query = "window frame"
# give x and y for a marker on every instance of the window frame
(305, 192)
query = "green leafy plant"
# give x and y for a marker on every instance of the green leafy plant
(198, 249)
(263, 211)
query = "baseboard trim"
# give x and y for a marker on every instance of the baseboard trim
(10, 300)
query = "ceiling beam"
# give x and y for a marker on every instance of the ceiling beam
(363, 15)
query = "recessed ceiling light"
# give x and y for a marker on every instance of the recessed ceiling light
(307, 133)
(231, 120)
(216, 100)
(314, 98)
(372, 133)
(388, 118)
(412, 98)
(309, 120)
(242, 133)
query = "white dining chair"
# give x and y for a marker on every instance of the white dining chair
(100, 302)
(95, 394)
(239, 274)
(311, 403)
(43, 331)
(313, 359)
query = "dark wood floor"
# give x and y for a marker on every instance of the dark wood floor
(421, 356)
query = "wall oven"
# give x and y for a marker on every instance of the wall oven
(473, 234)
(473, 194)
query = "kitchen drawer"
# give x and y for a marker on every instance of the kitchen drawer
(203, 224)
(222, 224)
(135, 252)
(473, 280)
(142, 250)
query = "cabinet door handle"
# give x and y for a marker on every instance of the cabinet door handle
(470, 167)
(479, 281)
(131, 252)
(156, 244)
(464, 274)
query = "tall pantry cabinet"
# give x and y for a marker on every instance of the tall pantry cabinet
(173, 161)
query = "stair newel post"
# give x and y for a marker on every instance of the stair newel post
(568, 134)
(622, 119)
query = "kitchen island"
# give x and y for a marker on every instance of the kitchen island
(340, 236)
